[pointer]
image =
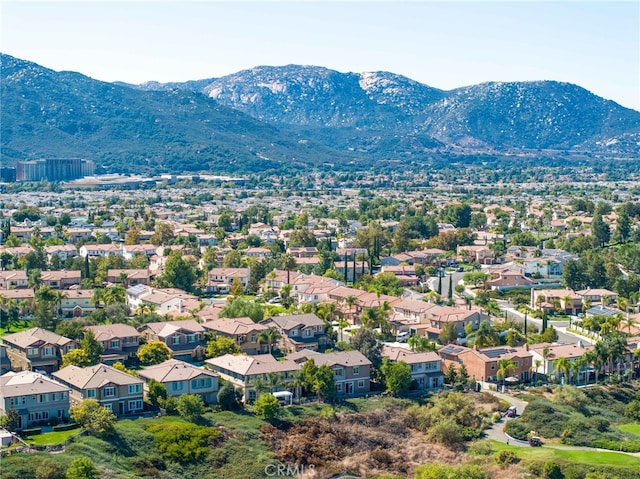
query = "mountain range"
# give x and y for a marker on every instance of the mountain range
(293, 118)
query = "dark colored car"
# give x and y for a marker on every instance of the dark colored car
(535, 442)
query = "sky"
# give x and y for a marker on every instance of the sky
(444, 44)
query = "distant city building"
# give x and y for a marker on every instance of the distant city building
(54, 169)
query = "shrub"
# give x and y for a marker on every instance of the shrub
(551, 470)
(66, 427)
(34, 431)
(507, 457)
(182, 442)
(481, 448)
(267, 406)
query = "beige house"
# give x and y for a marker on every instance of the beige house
(180, 378)
(425, 367)
(242, 330)
(128, 277)
(241, 370)
(184, 338)
(299, 331)
(37, 349)
(116, 390)
(77, 302)
(13, 279)
(60, 279)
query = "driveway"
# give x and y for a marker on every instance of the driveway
(496, 430)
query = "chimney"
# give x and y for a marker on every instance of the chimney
(580, 343)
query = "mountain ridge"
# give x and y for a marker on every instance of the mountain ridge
(294, 118)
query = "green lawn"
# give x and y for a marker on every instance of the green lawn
(16, 328)
(592, 457)
(633, 428)
(55, 437)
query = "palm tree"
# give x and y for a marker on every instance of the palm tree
(535, 367)
(370, 318)
(269, 336)
(576, 368)
(288, 263)
(485, 335)
(115, 294)
(298, 382)
(260, 385)
(505, 366)
(98, 296)
(274, 381)
(546, 354)
(492, 308)
(342, 323)
(630, 322)
(562, 366)
(351, 301)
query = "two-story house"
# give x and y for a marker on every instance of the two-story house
(77, 302)
(242, 330)
(483, 364)
(425, 366)
(37, 349)
(242, 370)
(116, 390)
(60, 279)
(128, 277)
(221, 279)
(13, 279)
(351, 369)
(34, 396)
(100, 250)
(119, 342)
(180, 378)
(163, 300)
(299, 331)
(63, 251)
(184, 338)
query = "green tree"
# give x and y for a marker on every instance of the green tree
(237, 289)
(82, 468)
(267, 406)
(448, 333)
(600, 230)
(485, 335)
(94, 418)
(229, 397)
(153, 353)
(76, 357)
(241, 308)
(178, 272)
(91, 347)
(451, 374)
(157, 392)
(365, 341)
(324, 383)
(220, 346)
(190, 407)
(505, 366)
(270, 336)
(397, 376)
(48, 469)
(562, 365)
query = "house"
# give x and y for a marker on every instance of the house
(63, 251)
(546, 354)
(37, 349)
(548, 299)
(302, 251)
(257, 252)
(299, 331)
(120, 342)
(100, 250)
(161, 300)
(180, 378)
(27, 295)
(60, 279)
(221, 279)
(242, 370)
(13, 279)
(184, 338)
(425, 367)
(483, 364)
(476, 253)
(438, 316)
(77, 302)
(128, 277)
(130, 251)
(599, 295)
(116, 390)
(351, 369)
(242, 330)
(34, 396)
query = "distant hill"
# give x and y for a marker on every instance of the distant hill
(294, 118)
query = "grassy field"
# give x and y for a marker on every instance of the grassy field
(55, 437)
(633, 428)
(16, 328)
(591, 457)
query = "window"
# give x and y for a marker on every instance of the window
(493, 366)
(361, 384)
(339, 387)
(60, 413)
(115, 343)
(516, 364)
(356, 370)
(42, 398)
(338, 372)
(50, 351)
(241, 338)
(54, 396)
(192, 338)
(135, 405)
(21, 401)
(91, 393)
(308, 333)
(33, 352)
(135, 388)
(177, 386)
(176, 340)
(109, 407)
(109, 392)
(253, 338)
(294, 332)
(252, 395)
(201, 383)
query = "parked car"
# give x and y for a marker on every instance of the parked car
(535, 442)
(512, 412)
